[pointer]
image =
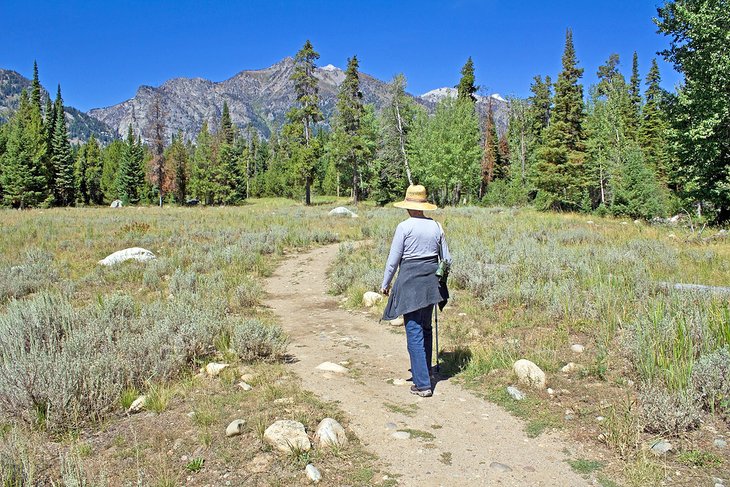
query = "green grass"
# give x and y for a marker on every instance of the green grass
(585, 467)
(409, 410)
(699, 458)
(418, 434)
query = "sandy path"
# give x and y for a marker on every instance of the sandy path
(471, 435)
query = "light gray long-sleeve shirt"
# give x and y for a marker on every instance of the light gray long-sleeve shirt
(414, 238)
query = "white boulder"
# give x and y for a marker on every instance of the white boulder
(134, 253)
(529, 374)
(577, 348)
(116, 204)
(312, 473)
(235, 428)
(342, 211)
(213, 368)
(332, 367)
(330, 433)
(371, 298)
(286, 435)
(137, 405)
(569, 367)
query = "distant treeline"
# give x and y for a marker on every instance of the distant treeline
(627, 148)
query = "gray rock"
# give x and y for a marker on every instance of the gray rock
(134, 253)
(529, 374)
(312, 473)
(661, 447)
(286, 435)
(568, 368)
(500, 467)
(116, 204)
(577, 348)
(245, 386)
(235, 428)
(516, 394)
(330, 433)
(720, 443)
(342, 211)
(213, 368)
(391, 426)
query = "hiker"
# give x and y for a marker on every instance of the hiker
(417, 248)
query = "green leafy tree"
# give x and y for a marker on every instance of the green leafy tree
(93, 167)
(445, 151)
(559, 173)
(700, 50)
(64, 180)
(466, 88)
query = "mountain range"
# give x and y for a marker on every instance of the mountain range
(256, 98)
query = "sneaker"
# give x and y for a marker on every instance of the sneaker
(421, 392)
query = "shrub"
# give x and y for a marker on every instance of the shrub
(711, 380)
(34, 273)
(254, 340)
(667, 412)
(248, 293)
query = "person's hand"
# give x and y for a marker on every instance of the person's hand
(385, 291)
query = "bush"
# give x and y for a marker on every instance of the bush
(711, 380)
(254, 340)
(63, 367)
(35, 273)
(248, 293)
(666, 412)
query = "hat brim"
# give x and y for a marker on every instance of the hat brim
(413, 205)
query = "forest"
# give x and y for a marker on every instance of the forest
(624, 146)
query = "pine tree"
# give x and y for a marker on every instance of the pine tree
(35, 93)
(348, 124)
(62, 158)
(130, 175)
(156, 136)
(654, 126)
(93, 170)
(202, 184)
(466, 89)
(635, 94)
(111, 157)
(226, 133)
(491, 157)
(22, 177)
(177, 160)
(608, 74)
(540, 105)
(559, 174)
(307, 113)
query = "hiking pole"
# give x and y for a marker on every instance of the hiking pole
(436, 311)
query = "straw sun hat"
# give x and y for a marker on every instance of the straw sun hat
(415, 199)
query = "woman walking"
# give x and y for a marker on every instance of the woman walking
(417, 246)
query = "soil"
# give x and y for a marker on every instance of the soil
(455, 438)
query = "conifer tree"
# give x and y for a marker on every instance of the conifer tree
(92, 173)
(22, 177)
(654, 126)
(130, 175)
(111, 157)
(559, 174)
(35, 93)
(540, 105)
(63, 162)
(177, 159)
(347, 136)
(635, 93)
(226, 133)
(466, 88)
(491, 157)
(306, 114)
(202, 184)
(156, 136)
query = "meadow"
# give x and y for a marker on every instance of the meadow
(80, 341)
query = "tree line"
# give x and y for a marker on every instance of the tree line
(626, 147)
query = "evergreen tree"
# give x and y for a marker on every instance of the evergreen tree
(522, 142)
(64, 181)
(21, 176)
(347, 137)
(130, 176)
(226, 133)
(93, 171)
(156, 136)
(559, 173)
(540, 105)
(202, 184)
(608, 74)
(466, 88)
(700, 50)
(491, 157)
(635, 94)
(654, 126)
(111, 160)
(35, 93)
(306, 114)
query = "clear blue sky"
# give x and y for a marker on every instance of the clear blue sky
(101, 51)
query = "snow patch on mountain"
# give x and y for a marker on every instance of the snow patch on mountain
(439, 94)
(330, 67)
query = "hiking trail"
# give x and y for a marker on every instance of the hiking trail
(456, 438)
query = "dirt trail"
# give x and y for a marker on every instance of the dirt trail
(475, 442)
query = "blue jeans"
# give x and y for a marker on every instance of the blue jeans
(419, 338)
